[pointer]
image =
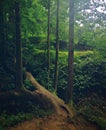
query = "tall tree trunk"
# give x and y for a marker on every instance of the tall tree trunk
(48, 42)
(69, 91)
(3, 35)
(19, 74)
(2, 42)
(57, 48)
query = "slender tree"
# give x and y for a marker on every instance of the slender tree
(2, 43)
(1, 33)
(19, 74)
(57, 48)
(69, 91)
(48, 41)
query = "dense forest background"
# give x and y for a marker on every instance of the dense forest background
(26, 22)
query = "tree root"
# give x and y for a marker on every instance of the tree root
(19, 99)
(59, 106)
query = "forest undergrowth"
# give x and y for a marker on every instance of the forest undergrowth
(89, 86)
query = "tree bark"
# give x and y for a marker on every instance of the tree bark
(19, 66)
(48, 42)
(69, 91)
(1, 34)
(57, 48)
(2, 44)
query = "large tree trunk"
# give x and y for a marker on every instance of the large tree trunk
(2, 35)
(2, 44)
(19, 74)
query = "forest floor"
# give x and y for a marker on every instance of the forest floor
(63, 118)
(55, 122)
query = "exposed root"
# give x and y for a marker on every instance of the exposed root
(58, 104)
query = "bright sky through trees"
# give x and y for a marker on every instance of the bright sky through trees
(93, 11)
(102, 5)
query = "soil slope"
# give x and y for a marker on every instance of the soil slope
(54, 122)
(62, 119)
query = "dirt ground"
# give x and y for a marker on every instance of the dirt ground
(54, 122)
(58, 121)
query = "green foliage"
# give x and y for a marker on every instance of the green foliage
(11, 120)
(28, 85)
(89, 67)
(8, 120)
(101, 122)
(33, 30)
(92, 108)
(39, 112)
(33, 20)
(90, 76)
(7, 77)
(89, 71)
(99, 42)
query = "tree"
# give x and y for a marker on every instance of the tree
(100, 41)
(1, 43)
(33, 17)
(6, 43)
(19, 66)
(63, 22)
(40, 96)
(1, 32)
(69, 91)
(57, 48)
(48, 42)
(89, 15)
